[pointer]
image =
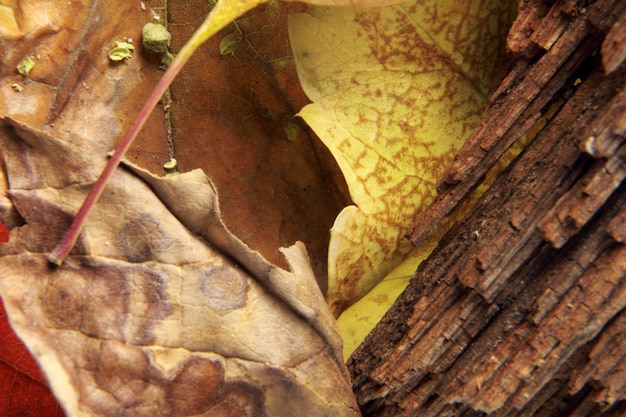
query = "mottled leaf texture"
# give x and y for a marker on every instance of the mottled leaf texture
(147, 318)
(395, 91)
(158, 310)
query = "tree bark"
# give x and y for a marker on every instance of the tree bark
(521, 309)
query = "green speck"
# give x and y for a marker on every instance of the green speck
(291, 130)
(26, 66)
(229, 44)
(121, 51)
(170, 165)
(155, 38)
(167, 58)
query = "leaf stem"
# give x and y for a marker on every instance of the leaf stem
(224, 12)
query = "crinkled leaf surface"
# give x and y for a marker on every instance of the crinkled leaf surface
(233, 114)
(68, 43)
(147, 318)
(89, 99)
(144, 317)
(236, 121)
(23, 389)
(73, 86)
(396, 90)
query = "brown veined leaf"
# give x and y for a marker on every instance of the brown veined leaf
(395, 91)
(143, 311)
(146, 317)
(236, 121)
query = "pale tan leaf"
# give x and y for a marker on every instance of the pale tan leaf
(145, 317)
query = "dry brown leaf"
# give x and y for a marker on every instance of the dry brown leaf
(233, 115)
(74, 88)
(146, 318)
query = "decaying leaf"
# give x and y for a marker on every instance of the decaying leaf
(236, 122)
(74, 88)
(146, 317)
(396, 90)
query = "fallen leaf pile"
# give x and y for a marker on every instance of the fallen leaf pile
(160, 309)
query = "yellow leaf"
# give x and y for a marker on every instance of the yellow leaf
(363, 3)
(361, 317)
(395, 91)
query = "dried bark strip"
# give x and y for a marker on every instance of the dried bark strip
(521, 310)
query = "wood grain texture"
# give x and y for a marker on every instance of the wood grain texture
(520, 310)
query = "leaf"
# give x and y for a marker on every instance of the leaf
(396, 90)
(57, 196)
(128, 317)
(24, 390)
(358, 320)
(4, 232)
(73, 87)
(143, 311)
(223, 12)
(69, 47)
(277, 182)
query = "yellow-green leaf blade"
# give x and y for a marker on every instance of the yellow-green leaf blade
(396, 90)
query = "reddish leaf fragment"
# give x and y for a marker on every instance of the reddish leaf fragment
(23, 389)
(4, 233)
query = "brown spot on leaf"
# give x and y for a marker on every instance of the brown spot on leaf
(195, 390)
(242, 399)
(112, 303)
(109, 325)
(61, 300)
(140, 238)
(123, 373)
(226, 288)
